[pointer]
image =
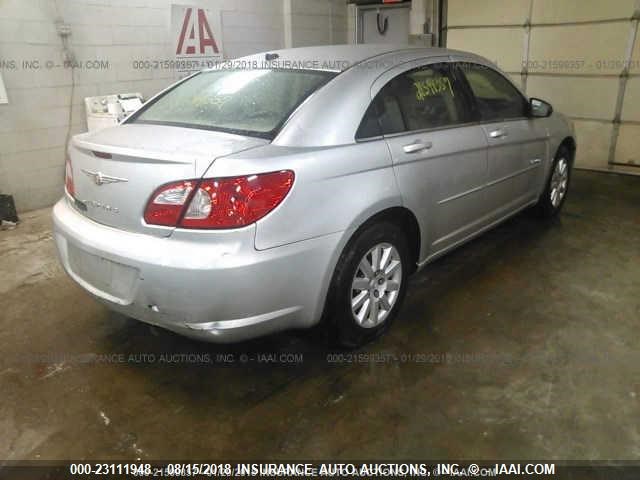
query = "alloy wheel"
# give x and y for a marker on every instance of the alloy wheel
(376, 285)
(559, 181)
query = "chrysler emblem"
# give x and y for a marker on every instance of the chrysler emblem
(100, 178)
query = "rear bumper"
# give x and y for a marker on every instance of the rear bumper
(208, 285)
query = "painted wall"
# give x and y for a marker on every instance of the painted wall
(316, 22)
(42, 108)
(581, 55)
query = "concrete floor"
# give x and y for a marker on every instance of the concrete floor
(522, 344)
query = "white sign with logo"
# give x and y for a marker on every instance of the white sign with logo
(197, 37)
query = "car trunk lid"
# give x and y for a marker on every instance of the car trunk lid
(116, 170)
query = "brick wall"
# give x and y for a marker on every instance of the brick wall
(42, 109)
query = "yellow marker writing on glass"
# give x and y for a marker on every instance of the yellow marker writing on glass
(435, 86)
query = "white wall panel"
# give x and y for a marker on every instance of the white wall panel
(502, 46)
(627, 150)
(557, 11)
(577, 96)
(631, 107)
(578, 48)
(487, 12)
(634, 66)
(593, 140)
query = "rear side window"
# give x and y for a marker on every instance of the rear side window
(370, 126)
(496, 98)
(420, 99)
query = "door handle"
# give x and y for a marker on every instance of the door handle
(417, 146)
(535, 161)
(499, 133)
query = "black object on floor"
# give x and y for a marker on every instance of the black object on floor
(8, 209)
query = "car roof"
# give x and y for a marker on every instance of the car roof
(356, 69)
(338, 58)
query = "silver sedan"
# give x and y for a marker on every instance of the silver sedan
(301, 186)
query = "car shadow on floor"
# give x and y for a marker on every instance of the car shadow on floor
(252, 371)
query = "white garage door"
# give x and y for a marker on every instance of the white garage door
(581, 55)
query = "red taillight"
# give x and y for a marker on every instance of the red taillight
(212, 203)
(68, 177)
(167, 202)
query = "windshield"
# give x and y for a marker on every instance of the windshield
(246, 102)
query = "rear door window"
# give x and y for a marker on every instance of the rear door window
(424, 98)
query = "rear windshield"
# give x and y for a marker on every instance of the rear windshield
(246, 102)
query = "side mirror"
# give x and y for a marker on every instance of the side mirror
(539, 108)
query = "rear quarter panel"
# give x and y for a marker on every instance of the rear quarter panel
(335, 188)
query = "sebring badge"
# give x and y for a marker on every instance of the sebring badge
(103, 206)
(100, 178)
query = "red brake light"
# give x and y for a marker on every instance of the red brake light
(68, 177)
(167, 202)
(217, 203)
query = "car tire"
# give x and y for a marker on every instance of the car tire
(362, 301)
(555, 192)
